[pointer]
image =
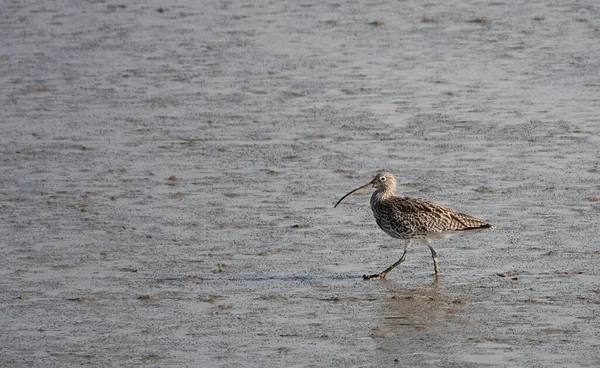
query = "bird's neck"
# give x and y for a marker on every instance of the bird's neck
(381, 194)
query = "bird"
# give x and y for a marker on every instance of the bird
(413, 219)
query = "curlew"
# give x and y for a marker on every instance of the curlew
(412, 219)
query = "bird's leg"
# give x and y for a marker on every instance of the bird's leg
(436, 268)
(384, 273)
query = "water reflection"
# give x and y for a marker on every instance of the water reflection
(415, 323)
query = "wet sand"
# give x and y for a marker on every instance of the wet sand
(169, 172)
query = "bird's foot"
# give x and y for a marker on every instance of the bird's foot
(374, 276)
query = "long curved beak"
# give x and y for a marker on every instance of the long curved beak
(370, 184)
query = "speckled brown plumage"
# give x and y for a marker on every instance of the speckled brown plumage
(413, 218)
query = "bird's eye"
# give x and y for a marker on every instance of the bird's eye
(382, 178)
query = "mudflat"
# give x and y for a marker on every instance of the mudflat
(169, 170)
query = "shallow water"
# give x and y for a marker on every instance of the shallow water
(169, 173)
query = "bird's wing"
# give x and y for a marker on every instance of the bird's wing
(469, 222)
(425, 216)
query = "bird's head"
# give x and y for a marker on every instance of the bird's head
(384, 180)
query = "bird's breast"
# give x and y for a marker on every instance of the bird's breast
(393, 225)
